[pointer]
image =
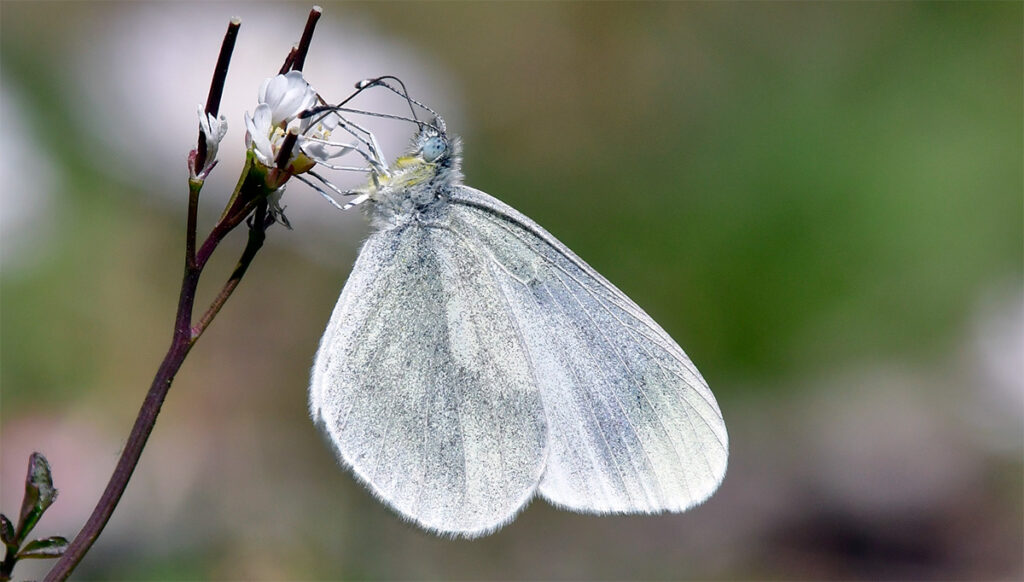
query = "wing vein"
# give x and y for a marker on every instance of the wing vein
(494, 261)
(423, 453)
(628, 306)
(630, 309)
(618, 354)
(585, 390)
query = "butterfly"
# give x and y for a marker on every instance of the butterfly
(473, 362)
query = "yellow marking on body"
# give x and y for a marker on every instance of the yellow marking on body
(409, 171)
(407, 161)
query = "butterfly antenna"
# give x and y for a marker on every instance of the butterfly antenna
(402, 92)
(419, 123)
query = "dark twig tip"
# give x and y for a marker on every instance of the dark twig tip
(307, 37)
(289, 60)
(220, 72)
(220, 75)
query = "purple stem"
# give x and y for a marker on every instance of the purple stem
(185, 336)
(220, 74)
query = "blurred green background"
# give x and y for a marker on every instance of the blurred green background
(821, 202)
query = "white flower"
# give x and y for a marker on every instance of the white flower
(281, 100)
(260, 134)
(214, 129)
(287, 95)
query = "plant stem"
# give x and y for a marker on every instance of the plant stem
(257, 234)
(7, 566)
(143, 427)
(220, 73)
(185, 336)
(248, 198)
(194, 186)
(307, 35)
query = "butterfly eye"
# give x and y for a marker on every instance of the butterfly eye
(433, 148)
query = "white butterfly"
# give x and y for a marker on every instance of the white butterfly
(473, 362)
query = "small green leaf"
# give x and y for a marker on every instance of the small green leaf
(52, 547)
(39, 494)
(7, 532)
(39, 476)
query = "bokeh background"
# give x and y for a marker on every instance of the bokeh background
(821, 202)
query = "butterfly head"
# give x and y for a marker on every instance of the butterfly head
(433, 158)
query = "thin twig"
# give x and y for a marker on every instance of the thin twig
(220, 74)
(144, 422)
(299, 59)
(194, 186)
(184, 336)
(257, 234)
(249, 199)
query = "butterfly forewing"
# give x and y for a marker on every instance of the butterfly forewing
(425, 387)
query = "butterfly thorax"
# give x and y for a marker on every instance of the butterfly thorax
(417, 185)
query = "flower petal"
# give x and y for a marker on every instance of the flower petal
(261, 117)
(258, 136)
(276, 87)
(296, 100)
(262, 95)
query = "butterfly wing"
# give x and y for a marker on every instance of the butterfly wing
(423, 385)
(632, 425)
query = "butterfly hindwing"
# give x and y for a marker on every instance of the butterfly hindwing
(632, 425)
